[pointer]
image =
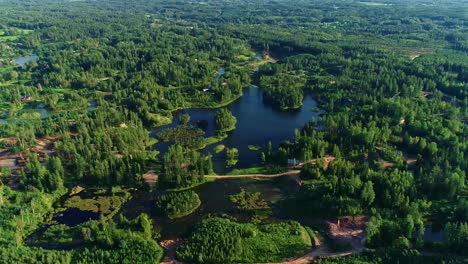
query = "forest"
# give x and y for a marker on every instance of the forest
(118, 122)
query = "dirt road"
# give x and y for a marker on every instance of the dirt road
(319, 251)
(290, 172)
(151, 176)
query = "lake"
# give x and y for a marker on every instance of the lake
(23, 60)
(257, 123)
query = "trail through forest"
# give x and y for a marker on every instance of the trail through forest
(320, 250)
(151, 176)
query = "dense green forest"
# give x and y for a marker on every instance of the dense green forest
(91, 119)
(220, 240)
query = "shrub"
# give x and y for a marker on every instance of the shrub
(178, 204)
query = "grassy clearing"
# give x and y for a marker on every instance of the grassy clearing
(33, 115)
(10, 38)
(14, 37)
(258, 170)
(106, 204)
(160, 120)
(232, 157)
(254, 148)
(214, 105)
(191, 187)
(260, 62)
(212, 140)
(219, 148)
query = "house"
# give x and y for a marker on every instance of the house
(26, 98)
(109, 96)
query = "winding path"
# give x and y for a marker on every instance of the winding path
(151, 176)
(319, 251)
(290, 172)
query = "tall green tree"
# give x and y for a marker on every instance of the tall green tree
(224, 121)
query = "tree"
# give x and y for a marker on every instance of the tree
(13, 75)
(456, 237)
(184, 119)
(232, 157)
(55, 174)
(224, 120)
(184, 168)
(368, 194)
(34, 174)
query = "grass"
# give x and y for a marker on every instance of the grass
(15, 37)
(254, 148)
(193, 186)
(260, 62)
(151, 142)
(57, 90)
(215, 105)
(219, 148)
(10, 38)
(160, 120)
(34, 115)
(102, 202)
(232, 157)
(212, 140)
(257, 170)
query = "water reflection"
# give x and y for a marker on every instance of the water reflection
(257, 123)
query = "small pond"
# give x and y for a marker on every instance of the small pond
(43, 112)
(433, 233)
(74, 216)
(23, 60)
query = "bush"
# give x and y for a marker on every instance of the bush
(222, 241)
(178, 204)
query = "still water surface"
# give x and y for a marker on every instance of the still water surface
(257, 124)
(23, 60)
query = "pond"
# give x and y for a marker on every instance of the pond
(433, 233)
(215, 202)
(257, 124)
(73, 217)
(23, 60)
(39, 108)
(221, 71)
(42, 111)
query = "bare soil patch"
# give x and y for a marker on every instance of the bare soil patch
(170, 247)
(150, 177)
(349, 230)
